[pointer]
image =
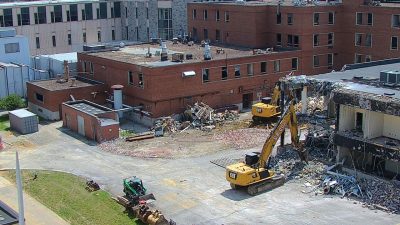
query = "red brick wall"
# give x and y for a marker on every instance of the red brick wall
(54, 99)
(255, 26)
(166, 91)
(93, 130)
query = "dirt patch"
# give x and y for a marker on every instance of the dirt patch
(243, 138)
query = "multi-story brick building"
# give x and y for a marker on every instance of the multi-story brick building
(65, 26)
(328, 33)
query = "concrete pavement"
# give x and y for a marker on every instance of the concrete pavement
(35, 212)
(192, 190)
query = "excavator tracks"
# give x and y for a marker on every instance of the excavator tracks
(269, 184)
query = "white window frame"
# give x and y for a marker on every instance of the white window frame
(330, 65)
(226, 15)
(319, 23)
(355, 58)
(393, 15)
(366, 35)
(130, 74)
(355, 39)
(357, 18)
(372, 24)
(334, 17)
(250, 65)
(319, 63)
(333, 39)
(202, 75)
(391, 39)
(297, 64)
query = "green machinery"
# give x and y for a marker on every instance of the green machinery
(135, 191)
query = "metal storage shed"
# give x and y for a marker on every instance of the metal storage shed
(23, 121)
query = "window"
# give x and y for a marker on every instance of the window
(37, 42)
(368, 40)
(278, 18)
(117, 9)
(11, 48)
(396, 21)
(358, 58)
(91, 68)
(73, 11)
(237, 71)
(296, 41)
(394, 44)
(57, 14)
(217, 35)
(367, 58)
(136, 13)
(358, 39)
(316, 61)
(140, 80)
(147, 12)
(113, 35)
(316, 18)
(99, 36)
(84, 67)
(316, 40)
(53, 40)
(277, 65)
(331, 18)
(250, 69)
(217, 15)
(39, 97)
(359, 19)
(25, 16)
(263, 67)
(206, 75)
(88, 11)
(41, 15)
(69, 39)
(205, 14)
(165, 23)
(19, 19)
(224, 73)
(226, 16)
(130, 78)
(295, 63)
(205, 32)
(194, 13)
(103, 10)
(84, 37)
(290, 18)
(290, 40)
(370, 19)
(330, 59)
(8, 18)
(279, 39)
(137, 33)
(330, 39)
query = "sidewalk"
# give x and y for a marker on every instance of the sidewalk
(35, 212)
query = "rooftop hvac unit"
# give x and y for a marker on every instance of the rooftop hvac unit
(177, 57)
(390, 77)
(188, 74)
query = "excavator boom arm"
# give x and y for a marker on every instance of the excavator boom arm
(288, 118)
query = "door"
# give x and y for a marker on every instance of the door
(247, 100)
(81, 125)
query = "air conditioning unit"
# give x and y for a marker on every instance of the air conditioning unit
(177, 57)
(390, 77)
(188, 74)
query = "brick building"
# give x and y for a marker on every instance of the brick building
(46, 96)
(233, 76)
(91, 120)
(329, 34)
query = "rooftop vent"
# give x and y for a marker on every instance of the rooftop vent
(207, 52)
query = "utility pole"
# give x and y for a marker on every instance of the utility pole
(21, 217)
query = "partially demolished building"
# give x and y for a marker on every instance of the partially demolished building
(365, 99)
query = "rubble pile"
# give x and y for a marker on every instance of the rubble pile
(321, 180)
(200, 115)
(243, 138)
(313, 104)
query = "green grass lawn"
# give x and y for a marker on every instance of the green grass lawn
(65, 194)
(4, 122)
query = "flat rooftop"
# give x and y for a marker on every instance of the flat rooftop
(54, 85)
(88, 107)
(136, 54)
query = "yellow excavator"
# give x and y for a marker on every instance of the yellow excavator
(253, 174)
(268, 108)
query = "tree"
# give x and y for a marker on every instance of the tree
(12, 102)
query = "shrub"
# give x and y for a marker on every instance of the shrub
(12, 102)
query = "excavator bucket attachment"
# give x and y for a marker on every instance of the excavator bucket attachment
(147, 198)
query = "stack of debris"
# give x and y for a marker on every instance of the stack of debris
(320, 179)
(313, 104)
(200, 115)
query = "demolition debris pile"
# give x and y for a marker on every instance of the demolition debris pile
(321, 179)
(200, 116)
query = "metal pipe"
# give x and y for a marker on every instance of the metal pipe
(21, 217)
